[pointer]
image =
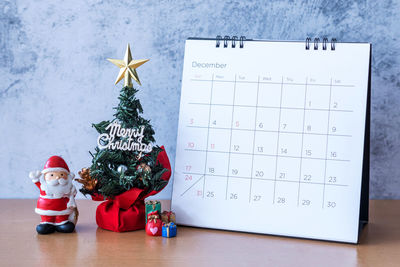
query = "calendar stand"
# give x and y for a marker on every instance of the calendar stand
(274, 136)
(364, 202)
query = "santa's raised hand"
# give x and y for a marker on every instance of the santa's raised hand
(56, 204)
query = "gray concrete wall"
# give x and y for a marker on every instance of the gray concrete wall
(55, 80)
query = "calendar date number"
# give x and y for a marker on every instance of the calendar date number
(281, 200)
(331, 204)
(256, 198)
(210, 194)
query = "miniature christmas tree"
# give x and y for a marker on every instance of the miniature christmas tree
(124, 158)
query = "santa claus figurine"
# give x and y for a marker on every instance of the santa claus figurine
(56, 204)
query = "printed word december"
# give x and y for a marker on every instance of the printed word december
(196, 64)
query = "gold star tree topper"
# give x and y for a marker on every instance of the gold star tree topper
(128, 67)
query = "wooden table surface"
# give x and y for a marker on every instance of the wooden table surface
(92, 246)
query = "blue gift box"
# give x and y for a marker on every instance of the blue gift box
(169, 230)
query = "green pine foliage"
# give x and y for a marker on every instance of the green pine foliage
(105, 162)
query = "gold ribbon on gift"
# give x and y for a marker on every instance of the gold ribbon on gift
(168, 225)
(153, 203)
(168, 216)
(153, 217)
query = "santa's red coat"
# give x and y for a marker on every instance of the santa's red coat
(51, 206)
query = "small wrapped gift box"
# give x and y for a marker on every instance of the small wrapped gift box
(169, 229)
(151, 206)
(154, 224)
(168, 216)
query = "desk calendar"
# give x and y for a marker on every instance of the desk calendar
(273, 137)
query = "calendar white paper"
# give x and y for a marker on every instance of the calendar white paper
(271, 138)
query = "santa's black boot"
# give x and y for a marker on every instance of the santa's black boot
(45, 228)
(67, 227)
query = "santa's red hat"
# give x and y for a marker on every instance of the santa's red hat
(55, 164)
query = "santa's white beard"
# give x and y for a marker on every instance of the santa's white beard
(56, 188)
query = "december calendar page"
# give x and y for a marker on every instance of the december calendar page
(271, 138)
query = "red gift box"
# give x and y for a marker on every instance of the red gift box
(154, 224)
(126, 212)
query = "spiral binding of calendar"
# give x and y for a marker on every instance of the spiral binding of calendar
(233, 40)
(324, 43)
(224, 41)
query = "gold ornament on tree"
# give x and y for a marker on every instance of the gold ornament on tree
(128, 68)
(143, 167)
(86, 180)
(145, 171)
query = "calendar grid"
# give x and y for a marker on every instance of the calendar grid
(281, 83)
(253, 178)
(208, 135)
(266, 155)
(302, 143)
(190, 187)
(254, 140)
(277, 143)
(249, 106)
(270, 131)
(230, 141)
(326, 147)
(279, 132)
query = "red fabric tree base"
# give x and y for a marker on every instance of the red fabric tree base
(126, 212)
